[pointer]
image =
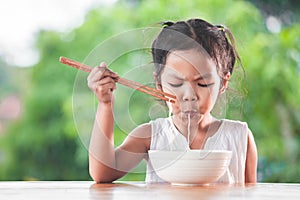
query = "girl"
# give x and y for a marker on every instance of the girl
(193, 60)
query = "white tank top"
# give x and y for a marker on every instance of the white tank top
(231, 135)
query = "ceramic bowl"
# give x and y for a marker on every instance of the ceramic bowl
(190, 167)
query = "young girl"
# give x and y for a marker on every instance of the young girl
(193, 60)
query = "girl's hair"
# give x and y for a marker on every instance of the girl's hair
(216, 40)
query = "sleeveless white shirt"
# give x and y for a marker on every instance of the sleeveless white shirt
(231, 135)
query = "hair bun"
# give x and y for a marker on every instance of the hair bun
(167, 23)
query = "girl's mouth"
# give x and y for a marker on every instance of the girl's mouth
(190, 113)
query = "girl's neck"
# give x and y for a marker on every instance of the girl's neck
(201, 127)
(198, 133)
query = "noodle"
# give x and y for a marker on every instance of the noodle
(188, 131)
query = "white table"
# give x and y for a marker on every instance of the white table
(138, 190)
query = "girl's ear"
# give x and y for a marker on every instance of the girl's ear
(225, 83)
(158, 86)
(157, 82)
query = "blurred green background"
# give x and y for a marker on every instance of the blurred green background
(43, 142)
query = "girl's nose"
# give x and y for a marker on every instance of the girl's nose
(189, 94)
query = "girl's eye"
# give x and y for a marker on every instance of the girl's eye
(175, 85)
(205, 85)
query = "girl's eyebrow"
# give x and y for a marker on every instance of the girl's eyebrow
(201, 77)
(196, 77)
(173, 75)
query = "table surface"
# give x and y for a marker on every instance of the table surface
(139, 190)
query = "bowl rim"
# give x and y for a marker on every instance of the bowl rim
(190, 154)
(190, 150)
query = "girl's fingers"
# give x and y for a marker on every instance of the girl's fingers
(106, 80)
(103, 64)
(108, 87)
(95, 74)
(104, 84)
(104, 90)
(110, 73)
(99, 73)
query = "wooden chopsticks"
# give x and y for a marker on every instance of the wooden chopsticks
(137, 86)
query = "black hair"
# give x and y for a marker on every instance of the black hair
(216, 40)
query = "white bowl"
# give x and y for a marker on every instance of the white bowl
(190, 167)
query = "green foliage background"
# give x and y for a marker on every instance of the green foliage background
(45, 144)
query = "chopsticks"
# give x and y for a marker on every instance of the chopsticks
(137, 86)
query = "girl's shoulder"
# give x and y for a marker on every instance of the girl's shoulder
(145, 130)
(232, 134)
(234, 124)
(233, 129)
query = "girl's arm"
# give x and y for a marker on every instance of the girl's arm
(105, 163)
(101, 149)
(251, 160)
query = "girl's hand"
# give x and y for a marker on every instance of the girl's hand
(102, 82)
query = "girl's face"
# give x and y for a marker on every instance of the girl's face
(192, 76)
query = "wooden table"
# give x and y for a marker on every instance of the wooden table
(137, 190)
